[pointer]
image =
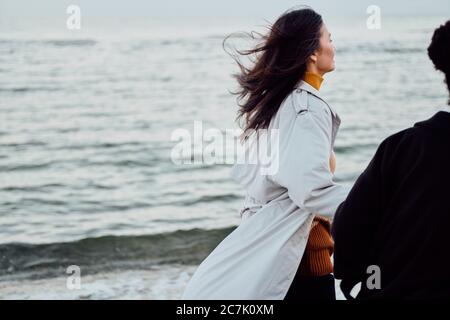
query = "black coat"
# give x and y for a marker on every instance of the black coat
(397, 217)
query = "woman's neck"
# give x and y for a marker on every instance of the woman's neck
(313, 79)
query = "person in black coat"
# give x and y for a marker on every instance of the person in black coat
(392, 232)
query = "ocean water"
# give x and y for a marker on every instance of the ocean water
(86, 124)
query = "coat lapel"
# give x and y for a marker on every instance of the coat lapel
(307, 87)
(302, 85)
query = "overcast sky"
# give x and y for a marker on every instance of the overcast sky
(251, 8)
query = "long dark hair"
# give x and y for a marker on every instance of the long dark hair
(280, 63)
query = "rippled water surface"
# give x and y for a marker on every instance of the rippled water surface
(86, 119)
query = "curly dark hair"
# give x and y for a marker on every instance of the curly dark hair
(439, 51)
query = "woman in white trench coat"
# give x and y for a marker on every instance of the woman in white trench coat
(260, 258)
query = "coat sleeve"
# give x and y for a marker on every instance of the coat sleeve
(304, 160)
(355, 222)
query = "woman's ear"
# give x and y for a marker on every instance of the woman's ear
(313, 57)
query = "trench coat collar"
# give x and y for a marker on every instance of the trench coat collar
(303, 85)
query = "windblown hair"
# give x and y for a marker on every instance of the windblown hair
(439, 51)
(280, 63)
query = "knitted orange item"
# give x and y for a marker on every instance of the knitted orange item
(316, 260)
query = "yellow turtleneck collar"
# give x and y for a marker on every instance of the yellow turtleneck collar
(313, 79)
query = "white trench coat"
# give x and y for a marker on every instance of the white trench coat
(259, 259)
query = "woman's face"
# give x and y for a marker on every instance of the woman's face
(323, 58)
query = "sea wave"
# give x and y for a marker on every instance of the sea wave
(53, 42)
(107, 253)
